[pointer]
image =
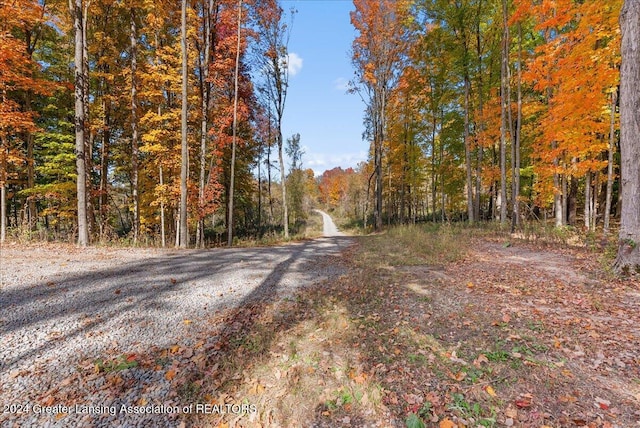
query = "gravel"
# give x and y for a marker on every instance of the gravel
(329, 227)
(63, 308)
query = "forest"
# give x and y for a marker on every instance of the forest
(477, 110)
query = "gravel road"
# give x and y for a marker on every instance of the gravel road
(63, 308)
(329, 227)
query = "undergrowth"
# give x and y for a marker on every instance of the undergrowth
(431, 244)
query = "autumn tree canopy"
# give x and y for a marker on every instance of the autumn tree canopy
(475, 110)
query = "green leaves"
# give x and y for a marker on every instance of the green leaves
(413, 421)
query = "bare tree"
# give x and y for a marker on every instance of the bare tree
(274, 35)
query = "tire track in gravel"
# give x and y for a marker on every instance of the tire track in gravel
(129, 303)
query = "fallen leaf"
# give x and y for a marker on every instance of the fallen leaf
(567, 373)
(460, 376)
(48, 401)
(524, 400)
(447, 423)
(602, 403)
(567, 399)
(170, 375)
(511, 413)
(489, 389)
(481, 359)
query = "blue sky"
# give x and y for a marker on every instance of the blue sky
(328, 119)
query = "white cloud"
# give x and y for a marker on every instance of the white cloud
(341, 84)
(320, 162)
(294, 63)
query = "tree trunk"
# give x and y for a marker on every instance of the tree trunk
(3, 187)
(443, 195)
(377, 214)
(235, 130)
(572, 202)
(480, 123)
(595, 197)
(503, 114)
(134, 129)
(3, 212)
(283, 179)
(31, 182)
(81, 184)
(260, 195)
(434, 181)
(515, 221)
(31, 40)
(629, 245)
(557, 196)
(612, 136)
(587, 201)
(183, 229)
(269, 145)
(163, 235)
(467, 150)
(104, 166)
(565, 198)
(207, 8)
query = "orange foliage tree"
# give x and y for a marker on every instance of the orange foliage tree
(18, 76)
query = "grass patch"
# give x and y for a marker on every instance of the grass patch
(472, 411)
(123, 362)
(413, 245)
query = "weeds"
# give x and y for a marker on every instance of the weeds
(413, 245)
(123, 362)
